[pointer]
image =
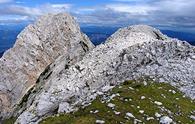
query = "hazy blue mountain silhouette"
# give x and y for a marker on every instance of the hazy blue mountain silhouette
(190, 37)
(8, 35)
(97, 35)
(1, 54)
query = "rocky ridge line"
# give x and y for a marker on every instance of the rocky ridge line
(130, 53)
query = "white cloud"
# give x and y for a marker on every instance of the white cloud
(178, 7)
(34, 11)
(14, 19)
(16, 13)
(85, 10)
(167, 13)
(19, 2)
(19, 10)
(5, 1)
(65, 6)
(132, 9)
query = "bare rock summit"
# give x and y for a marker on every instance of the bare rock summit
(37, 46)
(144, 31)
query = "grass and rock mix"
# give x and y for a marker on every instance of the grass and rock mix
(134, 101)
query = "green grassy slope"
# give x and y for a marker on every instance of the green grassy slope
(140, 98)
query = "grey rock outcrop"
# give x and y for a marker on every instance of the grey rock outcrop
(37, 46)
(130, 53)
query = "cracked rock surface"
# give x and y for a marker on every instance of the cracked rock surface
(37, 46)
(130, 53)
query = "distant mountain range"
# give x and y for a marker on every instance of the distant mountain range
(97, 35)
(1, 54)
(189, 37)
(8, 35)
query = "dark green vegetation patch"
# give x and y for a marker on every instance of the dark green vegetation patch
(9, 121)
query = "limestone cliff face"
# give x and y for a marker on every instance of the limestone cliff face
(130, 53)
(37, 46)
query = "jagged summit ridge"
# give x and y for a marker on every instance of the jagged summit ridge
(37, 46)
(130, 53)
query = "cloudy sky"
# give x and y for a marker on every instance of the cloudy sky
(169, 14)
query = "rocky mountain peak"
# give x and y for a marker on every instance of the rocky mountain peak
(138, 31)
(36, 47)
